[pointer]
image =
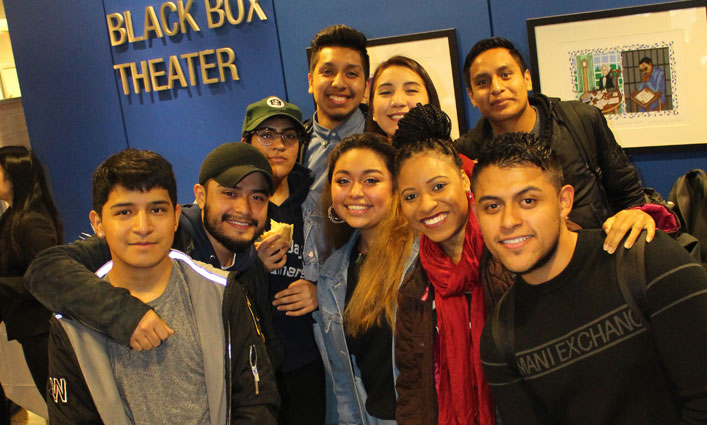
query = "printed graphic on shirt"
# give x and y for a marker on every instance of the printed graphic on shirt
(295, 252)
(606, 331)
(57, 389)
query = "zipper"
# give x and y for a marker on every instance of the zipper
(256, 319)
(253, 358)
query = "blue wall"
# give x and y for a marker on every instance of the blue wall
(77, 114)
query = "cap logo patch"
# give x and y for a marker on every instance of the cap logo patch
(275, 102)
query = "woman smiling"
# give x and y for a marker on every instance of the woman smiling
(358, 284)
(441, 303)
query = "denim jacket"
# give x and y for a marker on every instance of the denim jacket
(331, 339)
(313, 228)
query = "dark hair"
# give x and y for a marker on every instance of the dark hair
(30, 193)
(338, 234)
(405, 62)
(133, 169)
(424, 128)
(647, 60)
(340, 36)
(518, 149)
(488, 44)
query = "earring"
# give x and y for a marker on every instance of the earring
(333, 217)
(469, 194)
(99, 234)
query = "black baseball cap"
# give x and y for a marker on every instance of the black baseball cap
(229, 163)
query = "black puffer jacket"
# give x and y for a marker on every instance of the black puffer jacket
(598, 195)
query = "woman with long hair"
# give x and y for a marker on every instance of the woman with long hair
(398, 85)
(29, 225)
(358, 284)
(442, 305)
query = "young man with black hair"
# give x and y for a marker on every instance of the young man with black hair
(608, 190)
(563, 346)
(274, 127)
(213, 366)
(338, 81)
(235, 183)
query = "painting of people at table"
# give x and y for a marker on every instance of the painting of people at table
(597, 80)
(647, 84)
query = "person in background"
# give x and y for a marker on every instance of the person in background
(30, 225)
(358, 284)
(398, 85)
(338, 80)
(274, 127)
(608, 190)
(563, 346)
(441, 304)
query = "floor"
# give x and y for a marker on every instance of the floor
(23, 417)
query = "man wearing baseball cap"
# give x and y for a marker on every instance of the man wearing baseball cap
(274, 127)
(235, 183)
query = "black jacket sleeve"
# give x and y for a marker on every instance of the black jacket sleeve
(69, 400)
(61, 278)
(253, 392)
(620, 179)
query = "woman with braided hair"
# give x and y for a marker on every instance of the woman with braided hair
(441, 304)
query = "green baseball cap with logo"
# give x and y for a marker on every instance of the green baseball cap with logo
(270, 107)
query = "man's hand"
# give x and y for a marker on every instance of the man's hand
(273, 252)
(150, 332)
(298, 299)
(617, 226)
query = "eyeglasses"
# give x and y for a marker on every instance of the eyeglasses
(267, 136)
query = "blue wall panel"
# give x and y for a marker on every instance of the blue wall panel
(185, 124)
(76, 111)
(299, 21)
(73, 115)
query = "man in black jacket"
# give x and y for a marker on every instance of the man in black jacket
(607, 186)
(214, 369)
(219, 230)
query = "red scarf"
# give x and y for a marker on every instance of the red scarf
(464, 397)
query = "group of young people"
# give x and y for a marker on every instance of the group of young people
(382, 305)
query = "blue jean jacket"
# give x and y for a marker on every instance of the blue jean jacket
(331, 339)
(313, 229)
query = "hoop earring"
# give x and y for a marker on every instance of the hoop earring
(333, 217)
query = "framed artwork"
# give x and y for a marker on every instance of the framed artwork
(642, 66)
(437, 52)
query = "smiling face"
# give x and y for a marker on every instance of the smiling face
(500, 89)
(281, 154)
(433, 196)
(521, 214)
(396, 90)
(139, 227)
(234, 216)
(361, 189)
(337, 83)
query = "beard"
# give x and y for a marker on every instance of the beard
(213, 224)
(544, 259)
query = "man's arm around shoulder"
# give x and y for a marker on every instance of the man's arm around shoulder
(62, 279)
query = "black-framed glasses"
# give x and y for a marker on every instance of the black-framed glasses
(267, 136)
